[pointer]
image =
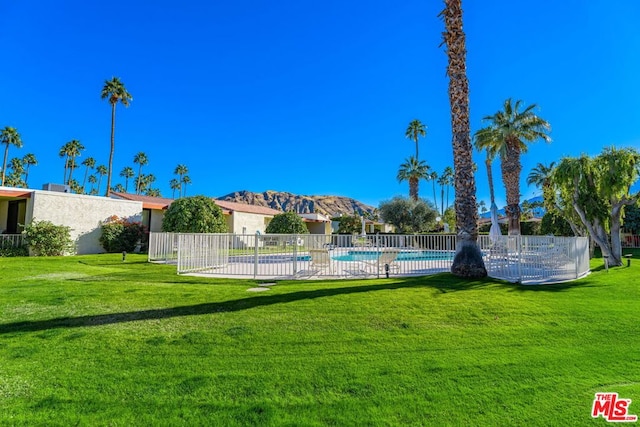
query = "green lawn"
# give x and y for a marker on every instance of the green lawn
(90, 340)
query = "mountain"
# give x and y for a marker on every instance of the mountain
(538, 212)
(331, 206)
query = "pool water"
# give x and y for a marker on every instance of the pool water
(402, 256)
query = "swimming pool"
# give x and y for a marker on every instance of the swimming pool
(402, 255)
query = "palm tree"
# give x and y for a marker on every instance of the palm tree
(119, 188)
(468, 259)
(75, 148)
(28, 160)
(8, 136)
(413, 170)
(540, 176)
(89, 163)
(185, 181)
(508, 132)
(140, 159)
(127, 173)
(92, 180)
(102, 171)
(433, 176)
(153, 192)
(448, 181)
(442, 181)
(174, 184)
(115, 92)
(181, 170)
(415, 130)
(15, 177)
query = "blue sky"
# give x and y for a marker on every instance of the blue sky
(309, 97)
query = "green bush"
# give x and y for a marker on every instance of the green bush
(287, 223)
(47, 239)
(350, 224)
(121, 234)
(7, 249)
(198, 214)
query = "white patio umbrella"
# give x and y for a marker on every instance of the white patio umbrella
(494, 231)
(364, 232)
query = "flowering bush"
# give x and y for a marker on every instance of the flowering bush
(47, 239)
(121, 234)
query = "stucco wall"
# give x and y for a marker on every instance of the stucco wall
(156, 220)
(83, 214)
(4, 206)
(249, 222)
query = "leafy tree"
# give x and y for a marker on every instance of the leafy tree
(8, 136)
(414, 131)
(553, 223)
(121, 234)
(115, 91)
(508, 132)
(599, 189)
(468, 260)
(408, 215)
(140, 159)
(197, 214)
(127, 173)
(28, 160)
(413, 170)
(47, 239)
(350, 224)
(88, 163)
(449, 218)
(287, 223)
(632, 218)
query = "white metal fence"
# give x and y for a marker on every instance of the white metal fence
(526, 259)
(11, 240)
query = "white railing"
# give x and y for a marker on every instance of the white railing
(163, 247)
(11, 240)
(202, 252)
(535, 259)
(525, 259)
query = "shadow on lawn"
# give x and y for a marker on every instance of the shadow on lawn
(443, 282)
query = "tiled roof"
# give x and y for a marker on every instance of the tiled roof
(227, 207)
(243, 207)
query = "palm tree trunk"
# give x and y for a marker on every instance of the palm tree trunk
(413, 188)
(511, 176)
(490, 179)
(4, 163)
(468, 259)
(113, 146)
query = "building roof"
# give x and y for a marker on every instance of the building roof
(148, 202)
(243, 207)
(15, 192)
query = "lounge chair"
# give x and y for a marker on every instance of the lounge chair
(387, 257)
(320, 260)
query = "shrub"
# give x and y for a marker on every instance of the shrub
(287, 223)
(121, 234)
(47, 239)
(350, 224)
(198, 214)
(8, 249)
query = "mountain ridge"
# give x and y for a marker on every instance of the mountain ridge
(331, 206)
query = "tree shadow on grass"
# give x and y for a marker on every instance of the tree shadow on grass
(443, 282)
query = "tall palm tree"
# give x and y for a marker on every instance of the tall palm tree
(92, 180)
(413, 170)
(184, 182)
(102, 171)
(433, 177)
(119, 188)
(28, 160)
(181, 171)
(15, 177)
(8, 136)
(468, 259)
(88, 163)
(541, 177)
(415, 130)
(115, 92)
(448, 182)
(75, 150)
(140, 159)
(508, 132)
(174, 184)
(127, 173)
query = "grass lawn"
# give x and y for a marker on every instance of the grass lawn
(90, 340)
